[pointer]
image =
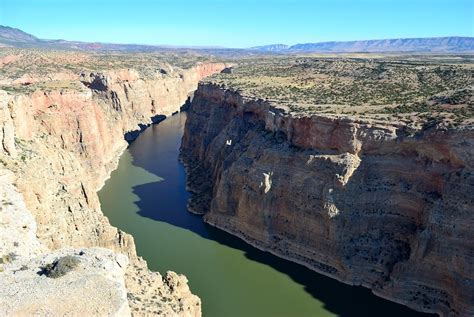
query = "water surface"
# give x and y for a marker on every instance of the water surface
(146, 197)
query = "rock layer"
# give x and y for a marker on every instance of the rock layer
(61, 144)
(368, 203)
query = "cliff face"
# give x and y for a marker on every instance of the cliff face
(368, 203)
(62, 144)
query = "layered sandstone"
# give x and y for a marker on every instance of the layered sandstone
(367, 202)
(95, 286)
(62, 142)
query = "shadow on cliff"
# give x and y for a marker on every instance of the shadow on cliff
(165, 201)
(339, 298)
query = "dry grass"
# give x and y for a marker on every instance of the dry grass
(17, 64)
(413, 88)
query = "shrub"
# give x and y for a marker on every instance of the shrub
(60, 267)
(7, 258)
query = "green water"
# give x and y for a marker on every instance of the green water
(146, 197)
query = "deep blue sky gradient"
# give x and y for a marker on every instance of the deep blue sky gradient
(237, 23)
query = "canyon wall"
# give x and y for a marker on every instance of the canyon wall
(369, 203)
(62, 143)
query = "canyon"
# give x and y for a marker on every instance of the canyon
(368, 202)
(358, 168)
(59, 144)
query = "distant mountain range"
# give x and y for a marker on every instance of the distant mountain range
(17, 38)
(433, 44)
(12, 37)
(271, 48)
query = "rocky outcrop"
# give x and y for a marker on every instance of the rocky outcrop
(62, 143)
(93, 287)
(369, 203)
(17, 226)
(89, 279)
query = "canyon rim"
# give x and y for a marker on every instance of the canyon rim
(54, 137)
(349, 159)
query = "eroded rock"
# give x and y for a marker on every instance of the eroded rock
(94, 286)
(61, 145)
(353, 199)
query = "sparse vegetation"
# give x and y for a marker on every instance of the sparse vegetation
(60, 267)
(406, 87)
(65, 66)
(382, 87)
(7, 258)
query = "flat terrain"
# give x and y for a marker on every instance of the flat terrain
(412, 88)
(416, 89)
(27, 70)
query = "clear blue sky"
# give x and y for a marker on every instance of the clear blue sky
(237, 23)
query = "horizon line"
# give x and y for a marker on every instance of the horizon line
(229, 47)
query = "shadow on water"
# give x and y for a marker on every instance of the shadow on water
(157, 152)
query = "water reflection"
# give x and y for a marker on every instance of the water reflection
(231, 277)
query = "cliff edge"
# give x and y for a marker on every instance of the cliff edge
(61, 134)
(368, 202)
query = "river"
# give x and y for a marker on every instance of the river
(146, 197)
